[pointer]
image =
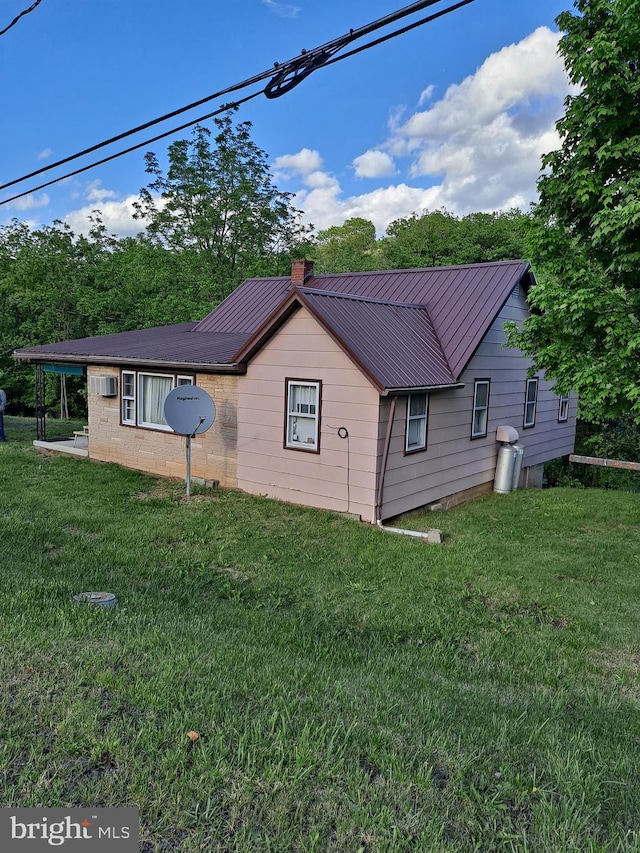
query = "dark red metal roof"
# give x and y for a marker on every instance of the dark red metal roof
(405, 328)
(394, 344)
(178, 345)
(247, 307)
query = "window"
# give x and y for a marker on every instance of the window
(303, 415)
(480, 408)
(563, 409)
(530, 402)
(153, 389)
(416, 431)
(128, 397)
(143, 395)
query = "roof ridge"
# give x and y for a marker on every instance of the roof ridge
(420, 269)
(315, 291)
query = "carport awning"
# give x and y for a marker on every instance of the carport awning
(69, 369)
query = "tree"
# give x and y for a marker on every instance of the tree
(425, 240)
(498, 236)
(44, 278)
(350, 247)
(219, 204)
(438, 238)
(585, 235)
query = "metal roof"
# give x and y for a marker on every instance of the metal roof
(404, 328)
(394, 343)
(177, 345)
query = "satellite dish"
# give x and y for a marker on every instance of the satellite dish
(189, 410)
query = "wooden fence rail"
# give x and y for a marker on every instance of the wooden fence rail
(606, 463)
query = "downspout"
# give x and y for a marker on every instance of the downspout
(430, 535)
(385, 458)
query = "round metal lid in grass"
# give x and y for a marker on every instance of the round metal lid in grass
(100, 599)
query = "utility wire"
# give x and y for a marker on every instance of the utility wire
(285, 77)
(301, 66)
(224, 108)
(17, 18)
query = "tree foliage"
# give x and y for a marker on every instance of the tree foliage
(220, 203)
(432, 238)
(585, 236)
(350, 247)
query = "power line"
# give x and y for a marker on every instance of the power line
(224, 108)
(284, 78)
(299, 67)
(17, 18)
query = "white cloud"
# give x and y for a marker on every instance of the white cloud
(374, 164)
(117, 217)
(302, 163)
(478, 148)
(96, 193)
(45, 154)
(426, 94)
(485, 137)
(324, 205)
(29, 202)
(285, 10)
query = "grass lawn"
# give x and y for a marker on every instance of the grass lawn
(353, 690)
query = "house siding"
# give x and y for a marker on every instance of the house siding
(213, 453)
(342, 476)
(453, 462)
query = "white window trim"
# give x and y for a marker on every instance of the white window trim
(411, 418)
(137, 399)
(477, 408)
(530, 406)
(563, 409)
(149, 424)
(291, 417)
(128, 397)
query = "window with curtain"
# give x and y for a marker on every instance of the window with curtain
(143, 394)
(152, 392)
(303, 415)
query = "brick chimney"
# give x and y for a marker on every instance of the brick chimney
(301, 270)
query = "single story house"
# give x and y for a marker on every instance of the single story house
(368, 393)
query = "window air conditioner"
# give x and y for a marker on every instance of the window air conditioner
(104, 386)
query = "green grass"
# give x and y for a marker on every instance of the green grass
(353, 690)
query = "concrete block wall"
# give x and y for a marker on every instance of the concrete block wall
(213, 454)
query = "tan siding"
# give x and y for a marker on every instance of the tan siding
(453, 462)
(213, 454)
(342, 476)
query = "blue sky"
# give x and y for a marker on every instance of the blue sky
(454, 114)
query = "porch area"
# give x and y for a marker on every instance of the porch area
(76, 446)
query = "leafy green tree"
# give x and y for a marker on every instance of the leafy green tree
(44, 278)
(438, 238)
(426, 240)
(220, 203)
(585, 237)
(499, 236)
(350, 247)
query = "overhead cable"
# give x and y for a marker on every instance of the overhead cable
(223, 109)
(285, 77)
(17, 17)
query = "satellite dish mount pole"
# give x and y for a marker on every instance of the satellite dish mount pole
(189, 437)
